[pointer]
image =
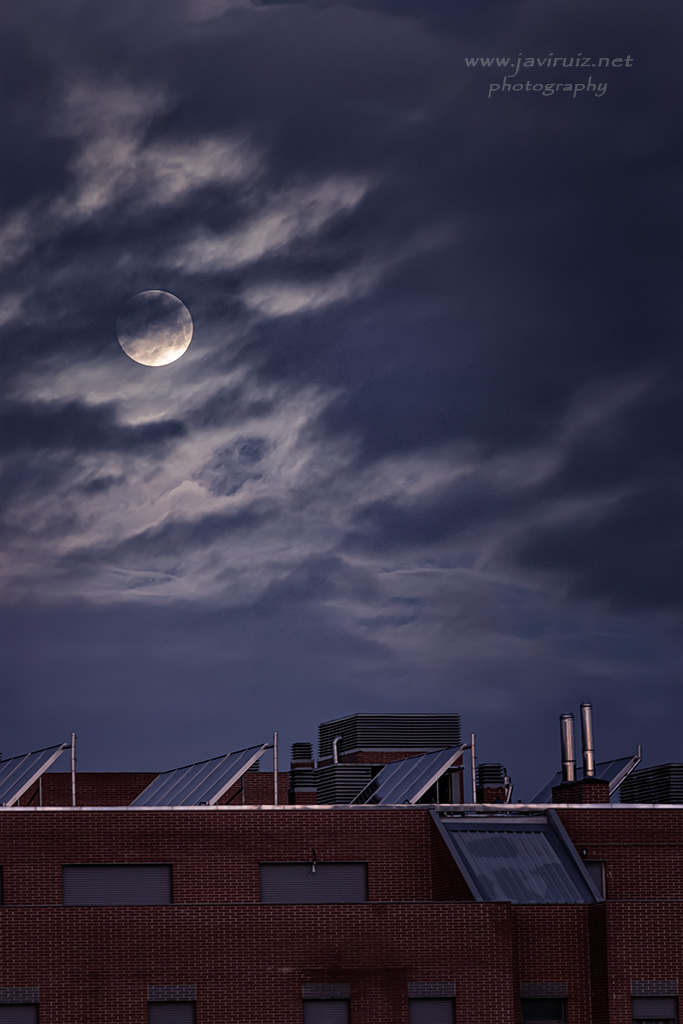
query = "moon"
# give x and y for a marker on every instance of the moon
(155, 328)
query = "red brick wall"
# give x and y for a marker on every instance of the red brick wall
(93, 789)
(583, 791)
(119, 789)
(258, 789)
(216, 853)
(644, 942)
(642, 848)
(249, 960)
(447, 882)
(552, 944)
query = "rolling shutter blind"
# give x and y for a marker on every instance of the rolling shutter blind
(329, 883)
(111, 885)
(654, 1009)
(26, 1014)
(326, 1011)
(171, 1013)
(432, 1011)
(544, 1011)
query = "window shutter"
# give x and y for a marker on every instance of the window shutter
(654, 1008)
(329, 883)
(432, 1011)
(171, 1013)
(110, 885)
(544, 1011)
(326, 1011)
(26, 1014)
(596, 870)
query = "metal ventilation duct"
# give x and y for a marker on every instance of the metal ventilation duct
(587, 739)
(567, 744)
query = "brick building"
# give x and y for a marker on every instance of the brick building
(429, 912)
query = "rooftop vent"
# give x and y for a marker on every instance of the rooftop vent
(567, 746)
(419, 732)
(662, 784)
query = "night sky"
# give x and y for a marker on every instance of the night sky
(424, 450)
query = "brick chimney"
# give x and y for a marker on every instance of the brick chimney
(582, 791)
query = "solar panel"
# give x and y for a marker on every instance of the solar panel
(517, 860)
(404, 782)
(614, 772)
(17, 774)
(201, 783)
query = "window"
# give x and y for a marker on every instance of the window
(171, 1013)
(654, 1009)
(26, 1013)
(432, 1011)
(314, 883)
(544, 1011)
(596, 870)
(112, 885)
(326, 1011)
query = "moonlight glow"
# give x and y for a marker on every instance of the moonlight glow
(155, 328)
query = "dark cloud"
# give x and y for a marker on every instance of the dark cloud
(321, 578)
(436, 517)
(227, 406)
(629, 556)
(231, 467)
(510, 254)
(53, 426)
(100, 484)
(637, 445)
(35, 162)
(178, 536)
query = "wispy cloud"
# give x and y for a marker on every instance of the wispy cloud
(294, 213)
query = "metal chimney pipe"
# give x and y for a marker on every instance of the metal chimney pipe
(587, 739)
(567, 740)
(335, 749)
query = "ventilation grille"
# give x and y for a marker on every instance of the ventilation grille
(491, 775)
(341, 783)
(302, 751)
(302, 779)
(391, 732)
(660, 785)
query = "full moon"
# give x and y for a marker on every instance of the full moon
(155, 328)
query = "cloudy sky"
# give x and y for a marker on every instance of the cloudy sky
(424, 450)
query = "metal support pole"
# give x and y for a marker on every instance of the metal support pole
(73, 769)
(275, 768)
(474, 770)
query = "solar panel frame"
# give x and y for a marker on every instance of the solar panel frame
(614, 772)
(201, 783)
(520, 861)
(17, 774)
(405, 781)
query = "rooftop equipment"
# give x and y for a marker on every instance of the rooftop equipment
(587, 739)
(567, 745)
